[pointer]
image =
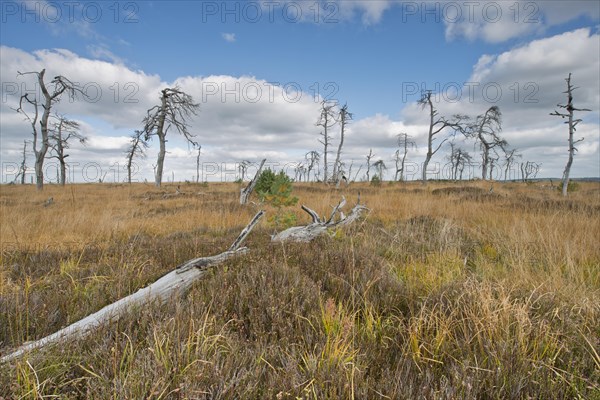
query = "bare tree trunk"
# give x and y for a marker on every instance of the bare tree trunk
(198, 164)
(162, 138)
(63, 172)
(430, 135)
(247, 191)
(369, 156)
(325, 150)
(23, 165)
(174, 282)
(319, 225)
(485, 155)
(570, 107)
(344, 117)
(41, 154)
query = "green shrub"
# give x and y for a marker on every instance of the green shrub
(375, 181)
(275, 189)
(572, 186)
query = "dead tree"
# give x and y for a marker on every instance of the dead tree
(174, 110)
(312, 158)
(137, 147)
(23, 167)
(436, 126)
(529, 170)
(326, 120)
(247, 191)
(380, 167)
(63, 131)
(319, 226)
(485, 130)
(509, 159)
(344, 117)
(242, 168)
(51, 94)
(400, 156)
(463, 159)
(198, 164)
(572, 122)
(369, 157)
(176, 282)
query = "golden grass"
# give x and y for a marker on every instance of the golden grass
(443, 291)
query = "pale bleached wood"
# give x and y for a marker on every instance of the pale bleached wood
(177, 281)
(247, 191)
(319, 226)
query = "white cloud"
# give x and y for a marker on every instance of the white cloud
(499, 21)
(102, 52)
(247, 118)
(229, 37)
(531, 79)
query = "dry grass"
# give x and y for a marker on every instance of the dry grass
(442, 292)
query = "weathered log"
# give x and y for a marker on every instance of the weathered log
(319, 225)
(247, 191)
(176, 281)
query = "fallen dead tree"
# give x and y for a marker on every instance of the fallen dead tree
(247, 191)
(177, 281)
(320, 225)
(181, 278)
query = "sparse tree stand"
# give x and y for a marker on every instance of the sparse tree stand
(436, 126)
(64, 130)
(51, 95)
(247, 191)
(572, 128)
(175, 108)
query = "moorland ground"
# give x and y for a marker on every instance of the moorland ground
(441, 292)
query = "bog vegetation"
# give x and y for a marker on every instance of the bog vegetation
(442, 292)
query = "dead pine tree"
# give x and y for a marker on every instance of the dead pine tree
(175, 108)
(404, 144)
(326, 120)
(369, 157)
(380, 166)
(437, 125)
(529, 170)
(247, 191)
(51, 94)
(312, 160)
(344, 117)
(509, 160)
(63, 131)
(23, 167)
(485, 130)
(137, 147)
(572, 122)
(198, 164)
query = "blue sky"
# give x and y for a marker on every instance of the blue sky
(367, 53)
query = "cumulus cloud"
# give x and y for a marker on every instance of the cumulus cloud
(527, 83)
(247, 118)
(498, 21)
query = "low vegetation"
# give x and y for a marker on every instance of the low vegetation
(442, 292)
